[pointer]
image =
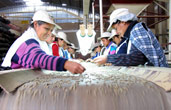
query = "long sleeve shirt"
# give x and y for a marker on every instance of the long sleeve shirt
(30, 55)
(144, 48)
(55, 49)
(110, 49)
(135, 58)
(97, 55)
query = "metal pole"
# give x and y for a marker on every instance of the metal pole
(93, 14)
(85, 21)
(101, 17)
(86, 6)
(161, 6)
(169, 29)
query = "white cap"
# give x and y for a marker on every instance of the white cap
(121, 14)
(63, 36)
(73, 46)
(44, 16)
(105, 35)
(54, 32)
(113, 33)
(95, 45)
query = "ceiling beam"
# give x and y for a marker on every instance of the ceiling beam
(31, 17)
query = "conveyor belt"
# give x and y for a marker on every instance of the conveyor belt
(98, 88)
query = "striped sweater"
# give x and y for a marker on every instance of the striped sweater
(30, 55)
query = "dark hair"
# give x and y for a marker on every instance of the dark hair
(130, 21)
(110, 40)
(117, 22)
(38, 22)
(116, 36)
(94, 48)
(56, 39)
(69, 44)
(105, 38)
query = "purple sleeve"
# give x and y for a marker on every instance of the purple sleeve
(30, 55)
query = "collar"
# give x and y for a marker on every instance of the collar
(123, 39)
(127, 33)
(109, 44)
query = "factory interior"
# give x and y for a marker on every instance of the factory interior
(91, 70)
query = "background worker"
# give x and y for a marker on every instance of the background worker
(63, 43)
(72, 50)
(120, 42)
(110, 47)
(97, 50)
(50, 40)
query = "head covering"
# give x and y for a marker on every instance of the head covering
(121, 14)
(54, 32)
(73, 46)
(63, 36)
(105, 35)
(95, 46)
(44, 16)
(113, 33)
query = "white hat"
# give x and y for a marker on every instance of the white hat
(73, 46)
(113, 33)
(121, 14)
(63, 36)
(104, 35)
(44, 16)
(95, 45)
(54, 32)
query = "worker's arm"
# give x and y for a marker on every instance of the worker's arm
(30, 55)
(55, 50)
(135, 58)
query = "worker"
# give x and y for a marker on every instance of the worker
(143, 47)
(50, 40)
(97, 50)
(119, 41)
(62, 42)
(30, 50)
(65, 47)
(110, 46)
(72, 50)
(55, 44)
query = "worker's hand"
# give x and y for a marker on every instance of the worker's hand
(89, 60)
(108, 64)
(100, 60)
(74, 67)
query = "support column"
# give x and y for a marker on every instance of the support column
(101, 17)
(86, 6)
(169, 29)
(85, 21)
(93, 15)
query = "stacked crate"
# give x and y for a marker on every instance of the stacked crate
(6, 37)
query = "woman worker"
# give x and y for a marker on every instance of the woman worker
(30, 50)
(110, 47)
(120, 42)
(142, 45)
(50, 41)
